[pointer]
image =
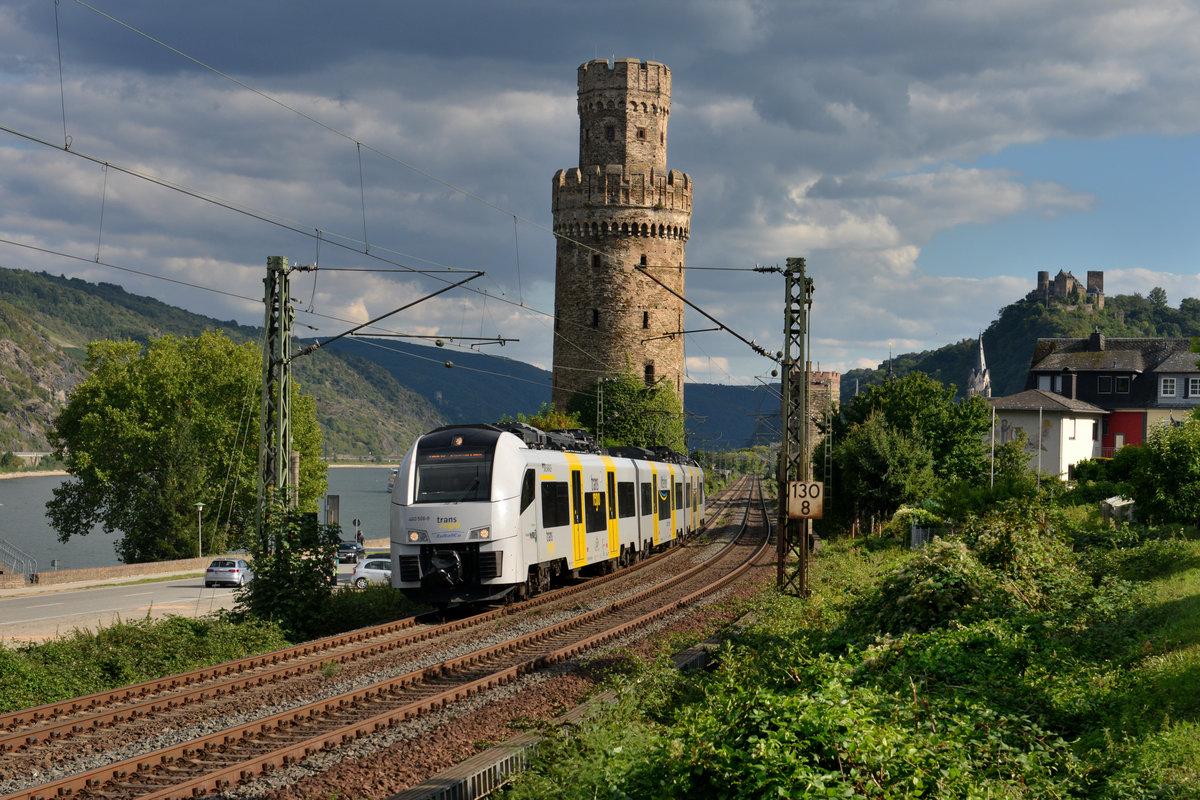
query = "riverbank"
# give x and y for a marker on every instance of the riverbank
(33, 473)
(47, 473)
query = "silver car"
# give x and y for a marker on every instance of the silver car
(228, 572)
(373, 570)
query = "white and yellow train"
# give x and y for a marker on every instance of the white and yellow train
(481, 512)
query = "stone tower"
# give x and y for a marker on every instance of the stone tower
(620, 208)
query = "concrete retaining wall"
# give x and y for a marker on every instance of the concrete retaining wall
(121, 571)
(11, 580)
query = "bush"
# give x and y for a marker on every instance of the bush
(899, 527)
(943, 583)
(360, 608)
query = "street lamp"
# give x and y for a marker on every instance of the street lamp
(199, 531)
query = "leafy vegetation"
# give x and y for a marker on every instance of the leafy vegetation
(84, 661)
(133, 651)
(152, 431)
(363, 408)
(993, 664)
(906, 441)
(635, 415)
(295, 566)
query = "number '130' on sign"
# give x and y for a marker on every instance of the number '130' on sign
(805, 499)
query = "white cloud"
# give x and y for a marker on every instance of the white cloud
(843, 132)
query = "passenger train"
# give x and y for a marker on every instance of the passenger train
(484, 512)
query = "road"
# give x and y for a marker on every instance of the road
(49, 614)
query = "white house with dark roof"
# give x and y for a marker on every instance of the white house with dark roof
(1060, 431)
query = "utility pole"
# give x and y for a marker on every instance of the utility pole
(275, 421)
(795, 466)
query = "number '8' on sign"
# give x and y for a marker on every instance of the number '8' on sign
(805, 499)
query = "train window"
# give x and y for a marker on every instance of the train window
(625, 499)
(664, 503)
(647, 498)
(527, 489)
(593, 508)
(612, 495)
(679, 495)
(576, 497)
(555, 508)
(687, 494)
(454, 482)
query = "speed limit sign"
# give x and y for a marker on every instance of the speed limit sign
(805, 499)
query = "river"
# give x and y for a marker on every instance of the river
(362, 493)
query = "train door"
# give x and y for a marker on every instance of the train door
(676, 499)
(654, 504)
(610, 475)
(645, 508)
(578, 537)
(697, 485)
(665, 529)
(527, 519)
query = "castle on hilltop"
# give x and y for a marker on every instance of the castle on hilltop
(1066, 288)
(619, 210)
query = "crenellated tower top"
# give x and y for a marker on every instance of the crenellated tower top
(623, 111)
(619, 211)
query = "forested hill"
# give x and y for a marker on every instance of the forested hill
(1008, 342)
(46, 322)
(373, 396)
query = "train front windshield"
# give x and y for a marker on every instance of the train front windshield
(443, 478)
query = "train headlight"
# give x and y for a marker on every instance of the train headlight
(481, 533)
(417, 536)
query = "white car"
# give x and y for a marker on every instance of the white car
(373, 570)
(231, 571)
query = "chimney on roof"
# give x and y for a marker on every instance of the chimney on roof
(1069, 382)
(1096, 342)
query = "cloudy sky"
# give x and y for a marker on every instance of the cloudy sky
(926, 157)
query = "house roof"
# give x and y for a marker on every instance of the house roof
(1098, 353)
(1034, 399)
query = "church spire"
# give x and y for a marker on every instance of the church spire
(980, 381)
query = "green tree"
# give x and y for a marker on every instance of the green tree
(925, 410)
(549, 418)
(152, 431)
(879, 467)
(1158, 297)
(1166, 481)
(635, 414)
(295, 567)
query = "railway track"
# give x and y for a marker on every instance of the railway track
(239, 752)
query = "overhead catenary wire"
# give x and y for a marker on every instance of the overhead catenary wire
(261, 216)
(62, 91)
(359, 146)
(382, 154)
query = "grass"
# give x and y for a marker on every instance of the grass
(85, 662)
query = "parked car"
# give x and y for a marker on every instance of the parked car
(373, 570)
(228, 572)
(351, 552)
